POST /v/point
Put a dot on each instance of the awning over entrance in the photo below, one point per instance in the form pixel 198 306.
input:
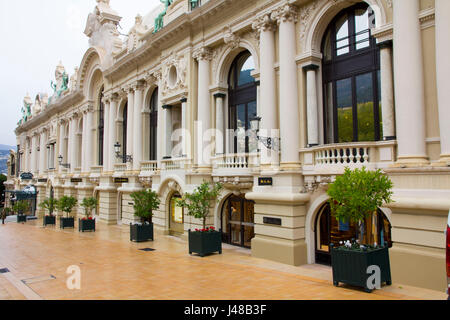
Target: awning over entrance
pixel 28 193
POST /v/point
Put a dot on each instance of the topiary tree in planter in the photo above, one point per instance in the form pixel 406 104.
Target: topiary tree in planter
pixel 145 202
pixel 66 205
pixel 198 205
pixel 49 204
pixel 19 208
pixel 354 197
pixel 87 223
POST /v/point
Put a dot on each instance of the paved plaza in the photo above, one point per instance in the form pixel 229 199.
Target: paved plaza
pixel 112 267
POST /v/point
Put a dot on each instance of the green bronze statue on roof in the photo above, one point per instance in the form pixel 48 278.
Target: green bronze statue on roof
pixel 159 21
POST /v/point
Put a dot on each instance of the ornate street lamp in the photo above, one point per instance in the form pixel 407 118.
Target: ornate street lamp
pixel 269 142
pixel 125 158
pixel 64 165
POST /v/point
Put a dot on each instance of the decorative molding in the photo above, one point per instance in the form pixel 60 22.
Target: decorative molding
pixel 285 13
pixel 203 53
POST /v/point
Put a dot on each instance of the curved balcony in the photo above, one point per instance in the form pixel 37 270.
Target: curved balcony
pixel 332 159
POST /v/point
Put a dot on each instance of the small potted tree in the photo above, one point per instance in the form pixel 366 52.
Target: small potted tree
pixel 66 204
pixel 354 197
pixel 20 207
pixel 145 201
pixel 198 204
pixel 87 223
pixel 49 204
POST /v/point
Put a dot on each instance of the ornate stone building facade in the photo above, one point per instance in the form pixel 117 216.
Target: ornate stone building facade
pixel 335 83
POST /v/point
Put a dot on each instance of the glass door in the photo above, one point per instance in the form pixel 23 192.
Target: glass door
pixel 176 226
pixel 238 221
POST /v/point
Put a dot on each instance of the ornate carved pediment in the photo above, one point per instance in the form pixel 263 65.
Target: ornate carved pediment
pixel 174 73
pixel 235 183
pixel 314 183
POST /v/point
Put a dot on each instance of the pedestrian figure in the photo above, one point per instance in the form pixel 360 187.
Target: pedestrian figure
pixel 3 214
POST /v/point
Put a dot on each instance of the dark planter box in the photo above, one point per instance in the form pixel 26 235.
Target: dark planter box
pixel 350 267
pixel 49 220
pixel 141 233
pixel 205 243
pixel 86 225
pixel 66 223
pixel 21 218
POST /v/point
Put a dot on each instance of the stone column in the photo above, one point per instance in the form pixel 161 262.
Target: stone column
pixel 184 124
pixel 137 125
pixel 409 83
pixel 387 90
pixel 312 111
pixel 83 144
pixel 442 11
pixel 89 138
pixel 34 146
pixel 61 144
pixel 268 85
pixel 220 123
pixel 112 133
pixel 203 56
pixel 168 131
pixel 42 151
pixel 289 113
pixel 106 149
pixel 130 121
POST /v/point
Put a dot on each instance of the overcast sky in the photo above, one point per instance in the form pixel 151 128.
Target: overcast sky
pixel 34 36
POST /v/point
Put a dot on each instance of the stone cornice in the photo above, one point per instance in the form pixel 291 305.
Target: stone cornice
pixel 54 108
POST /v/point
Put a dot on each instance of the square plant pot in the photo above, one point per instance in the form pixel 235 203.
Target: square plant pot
pixel 67 222
pixel 351 267
pixel 49 220
pixel 141 233
pixel 86 225
pixel 21 218
pixel 205 243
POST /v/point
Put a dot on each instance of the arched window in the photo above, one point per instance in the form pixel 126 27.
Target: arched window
pixel 153 125
pixel 101 127
pixel 242 102
pixel 351 78
pixel 124 132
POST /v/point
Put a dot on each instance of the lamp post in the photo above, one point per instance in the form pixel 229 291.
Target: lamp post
pixel 125 158
pixel 269 142
pixel 64 165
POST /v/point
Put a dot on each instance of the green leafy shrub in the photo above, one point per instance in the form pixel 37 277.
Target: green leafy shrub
pixel 66 204
pixel 88 205
pixel 20 207
pixel 357 194
pixel 145 201
pixel 48 204
pixel 199 202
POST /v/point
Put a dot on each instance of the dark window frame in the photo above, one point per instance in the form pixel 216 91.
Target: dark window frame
pixel 350 65
pixel 153 119
pixel 101 128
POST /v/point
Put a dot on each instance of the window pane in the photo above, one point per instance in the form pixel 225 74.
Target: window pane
pixel 327 47
pixel 342 35
pixel 362 28
pixel 252 141
pixel 344 110
pixel 240 128
pixel 364 97
pixel 244 75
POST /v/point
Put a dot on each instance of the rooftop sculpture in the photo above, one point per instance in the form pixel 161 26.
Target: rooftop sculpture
pixel 159 21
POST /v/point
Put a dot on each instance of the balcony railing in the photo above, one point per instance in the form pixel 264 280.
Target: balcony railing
pixel 96 169
pixel 174 164
pixel 149 166
pixel 242 163
pixel 120 167
pixel 335 157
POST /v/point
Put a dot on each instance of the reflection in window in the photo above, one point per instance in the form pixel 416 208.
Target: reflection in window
pixel 364 100
pixel 342 43
pixel 344 110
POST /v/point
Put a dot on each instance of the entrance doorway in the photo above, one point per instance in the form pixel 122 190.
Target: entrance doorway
pixel 329 230
pixel 238 221
pixel 176 219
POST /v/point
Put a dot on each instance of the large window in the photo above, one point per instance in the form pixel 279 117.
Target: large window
pixel 242 97
pixel 153 125
pixel 352 107
pixel 124 132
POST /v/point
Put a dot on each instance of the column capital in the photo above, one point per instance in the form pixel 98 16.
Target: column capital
pixel 264 23
pixel 311 67
pixel 203 53
pixel 220 95
pixel 285 13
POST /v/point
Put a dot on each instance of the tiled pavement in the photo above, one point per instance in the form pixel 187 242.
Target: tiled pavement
pixel 112 267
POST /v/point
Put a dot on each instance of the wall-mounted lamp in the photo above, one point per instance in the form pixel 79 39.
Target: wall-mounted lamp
pixel 64 165
pixel 269 142
pixel 125 158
